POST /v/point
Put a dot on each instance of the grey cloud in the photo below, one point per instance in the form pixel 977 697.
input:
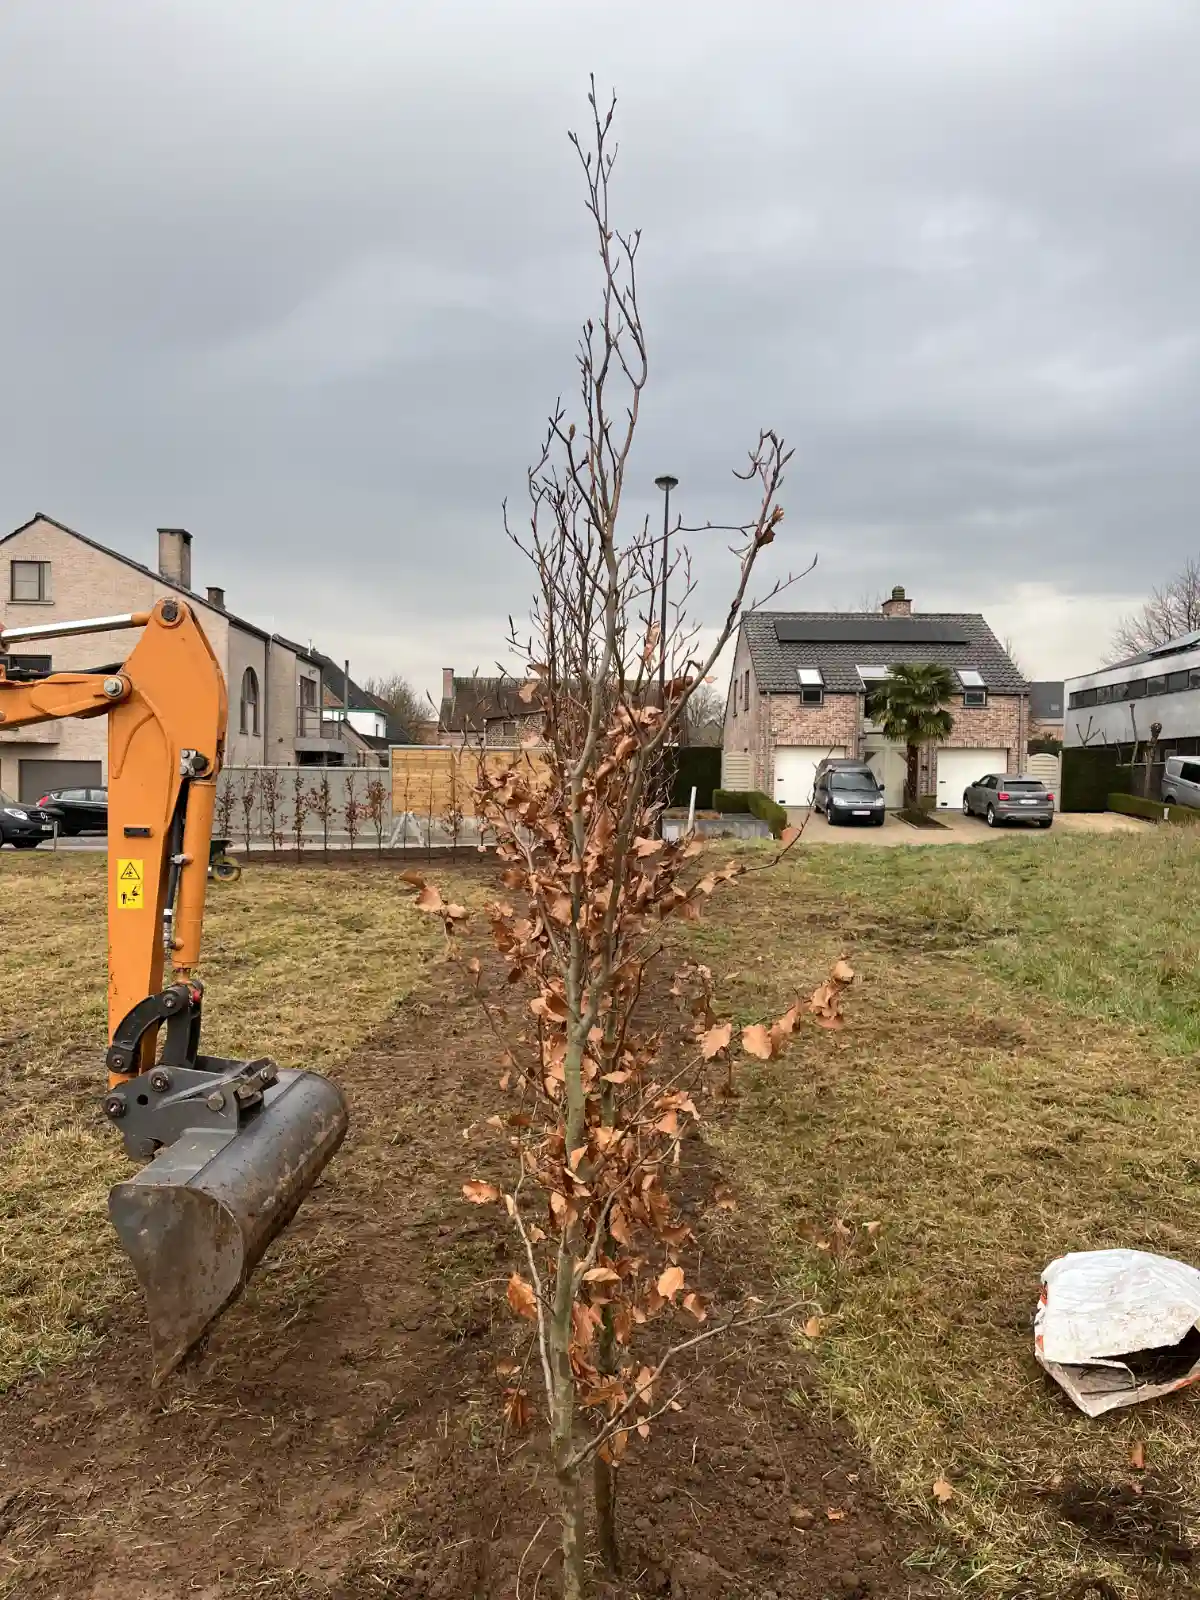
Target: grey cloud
pixel 305 278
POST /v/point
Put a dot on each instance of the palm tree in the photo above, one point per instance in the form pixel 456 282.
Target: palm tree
pixel 910 706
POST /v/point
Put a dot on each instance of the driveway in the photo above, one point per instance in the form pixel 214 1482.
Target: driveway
pixel 957 829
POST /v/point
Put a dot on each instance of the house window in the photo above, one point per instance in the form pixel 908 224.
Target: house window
pixel 871 675
pixel 308 693
pixel 29 580
pixel 974 699
pixel 1157 685
pixel 746 689
pixel 735 690
pixel 812 686
pixel 249 723
pixel 1176 681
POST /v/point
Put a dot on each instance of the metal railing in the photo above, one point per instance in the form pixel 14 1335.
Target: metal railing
pixel 311 723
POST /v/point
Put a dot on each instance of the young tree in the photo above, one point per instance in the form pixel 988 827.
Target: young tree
pixel 271 789
pixel 606 1094
pixel 1172 610
pixel 301 806
pixel 226 800
pixel 320 803
pixel 247 799
pixel 377 809
pixel 910 707
pixel 352 807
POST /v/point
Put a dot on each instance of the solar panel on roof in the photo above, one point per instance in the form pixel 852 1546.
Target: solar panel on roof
pixel 867 630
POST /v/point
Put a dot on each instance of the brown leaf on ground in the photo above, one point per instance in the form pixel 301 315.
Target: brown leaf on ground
pixel 429 899
pixel 601 1275
pixel 724 1200
pixel 1137 1457
pixel 521 1298
pixel 757 1041
pixel 842 971
pixel 693 1303
pixel 789 836
pixel 507 1367
pixel 516 1409
pixel 834 1515
pixel 670 1282
pixel 480 1193
pixel 716 1040
pixel 812 1328
pixel 943 1492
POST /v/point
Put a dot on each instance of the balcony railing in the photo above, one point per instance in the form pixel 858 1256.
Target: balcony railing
pixel 312 724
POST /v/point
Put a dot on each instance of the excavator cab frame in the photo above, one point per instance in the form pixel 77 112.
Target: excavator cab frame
pixel 232 1146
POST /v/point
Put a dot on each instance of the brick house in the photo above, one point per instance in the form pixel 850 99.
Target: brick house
pixel 487 713
pixel 51 573
pixel 800 683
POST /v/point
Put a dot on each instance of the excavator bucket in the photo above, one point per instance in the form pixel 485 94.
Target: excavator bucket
pixel 197 1219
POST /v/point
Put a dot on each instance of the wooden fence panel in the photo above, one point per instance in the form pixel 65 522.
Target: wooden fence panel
pixel 434 780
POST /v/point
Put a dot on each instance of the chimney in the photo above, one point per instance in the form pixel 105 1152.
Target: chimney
pixel 447 683
pixel 899 605
pixel 216 598
pixel 175 556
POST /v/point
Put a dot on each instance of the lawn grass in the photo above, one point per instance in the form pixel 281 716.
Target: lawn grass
pixel 299 963
pixel 1019 1078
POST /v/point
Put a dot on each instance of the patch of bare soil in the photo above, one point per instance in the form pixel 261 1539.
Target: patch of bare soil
pixel 339 1438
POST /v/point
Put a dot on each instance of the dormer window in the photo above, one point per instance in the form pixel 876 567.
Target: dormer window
pixel 812 686
pixel 973 688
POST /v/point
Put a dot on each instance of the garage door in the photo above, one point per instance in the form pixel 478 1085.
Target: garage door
pixel 796 770
pixel 958 768
pixel 35 777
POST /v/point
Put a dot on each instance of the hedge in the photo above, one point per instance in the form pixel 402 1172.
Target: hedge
pixel 1090 775
pixel 1132 805
pixel 733 801
pixel 698 765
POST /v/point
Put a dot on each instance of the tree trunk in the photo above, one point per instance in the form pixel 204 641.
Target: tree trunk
pixel 912 776
pixel 604 1476
pixel 562 1427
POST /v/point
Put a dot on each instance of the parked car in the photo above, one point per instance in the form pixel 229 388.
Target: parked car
pixel 1181 782
pixel 848 792
pixel 24 827
pixel 1005 797
pixel 78 810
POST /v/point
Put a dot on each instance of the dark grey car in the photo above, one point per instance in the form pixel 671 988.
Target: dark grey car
pixel 1004 797
pixel 849 794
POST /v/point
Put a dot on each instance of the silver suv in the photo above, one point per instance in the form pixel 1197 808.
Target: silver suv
pixel 1005 797
pixel 1181 781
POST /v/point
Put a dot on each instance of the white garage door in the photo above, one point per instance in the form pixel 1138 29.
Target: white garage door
pixel 796 770
pixel 958 768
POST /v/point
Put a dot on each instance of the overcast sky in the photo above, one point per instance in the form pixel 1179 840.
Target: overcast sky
pixel 303 276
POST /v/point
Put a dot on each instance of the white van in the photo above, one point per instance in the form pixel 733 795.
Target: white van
pixel 1181 781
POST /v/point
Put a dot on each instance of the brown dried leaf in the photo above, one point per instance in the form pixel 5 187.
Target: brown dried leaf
pixel 521 1298
pixel 516 1409
pixel 873 1228
pixel 527 691
pixel 429 899
pixel 646 847
pixel 456 913
pixel 618 1226
pixel 789 836
pixel 601 1275
pixel 693 1303
pixel 943 1492
pixel 507 1367
pixel 1137 1457
pixel 833 1515
pixel 812 1328
pixel 725 1201
pixel 413 878
pixel 716 1040
pixel 757 1041
pixel 670 1282
pixel 842 971
pixel 480 1193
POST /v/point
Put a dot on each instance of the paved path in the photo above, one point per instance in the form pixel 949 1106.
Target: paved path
pixel 958 829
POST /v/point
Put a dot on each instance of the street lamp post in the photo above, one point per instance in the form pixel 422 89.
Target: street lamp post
pixel 666 483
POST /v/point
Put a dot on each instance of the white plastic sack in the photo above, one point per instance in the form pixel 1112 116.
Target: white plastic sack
pixel 1097 1306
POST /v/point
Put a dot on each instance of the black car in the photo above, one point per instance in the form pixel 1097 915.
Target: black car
pixel 24 827
pixel 78 810
pixel 849 794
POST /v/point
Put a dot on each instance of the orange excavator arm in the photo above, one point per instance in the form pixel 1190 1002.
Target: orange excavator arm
pixel 233 1146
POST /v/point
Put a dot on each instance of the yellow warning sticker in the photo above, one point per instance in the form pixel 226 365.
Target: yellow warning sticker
pixel 130 885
